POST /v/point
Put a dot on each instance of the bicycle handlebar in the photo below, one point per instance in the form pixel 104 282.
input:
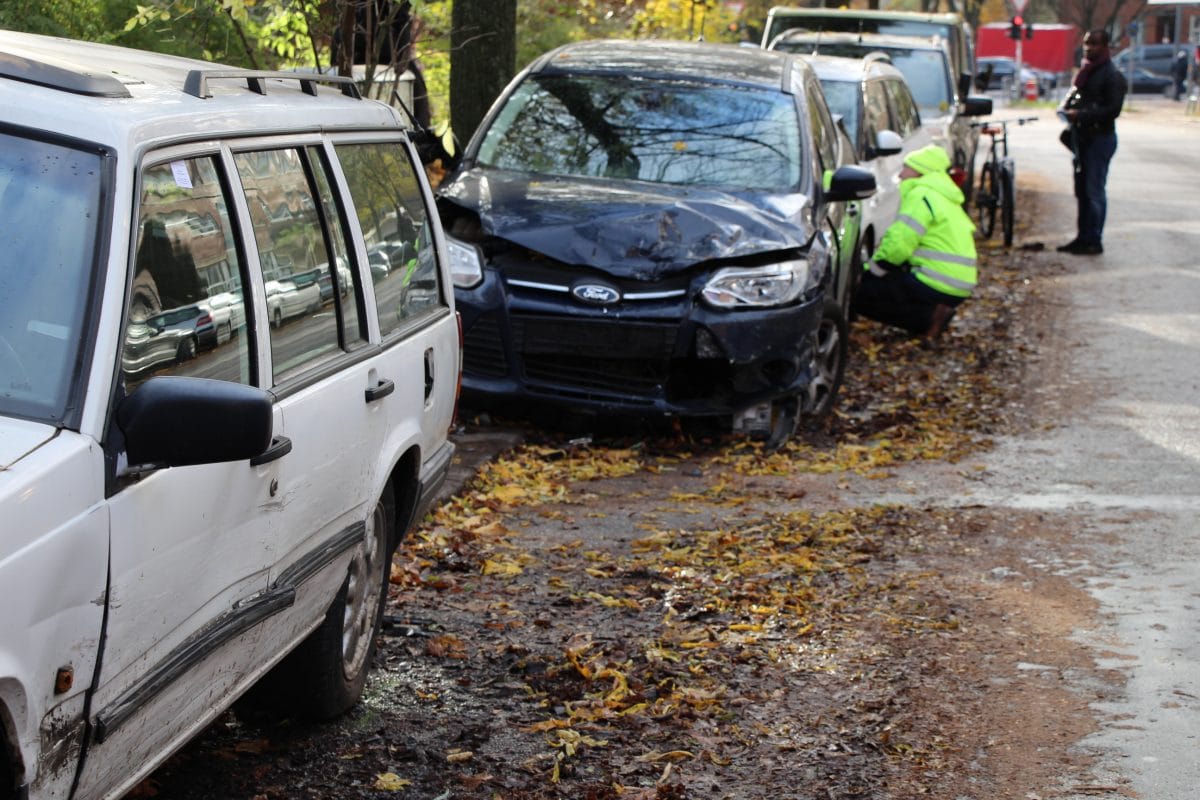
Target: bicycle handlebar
pixel 1004 123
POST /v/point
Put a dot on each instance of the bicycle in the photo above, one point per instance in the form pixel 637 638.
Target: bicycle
pixel 997 180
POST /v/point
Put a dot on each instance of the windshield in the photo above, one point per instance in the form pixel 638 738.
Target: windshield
pixel 842 98
pixel 925 69
pixel 49 210
pixel 663 131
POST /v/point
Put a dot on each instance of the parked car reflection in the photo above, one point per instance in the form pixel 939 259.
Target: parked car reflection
pixel 290 294
pixel 172 336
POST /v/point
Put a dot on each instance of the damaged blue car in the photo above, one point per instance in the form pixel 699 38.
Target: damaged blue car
pixel 657 228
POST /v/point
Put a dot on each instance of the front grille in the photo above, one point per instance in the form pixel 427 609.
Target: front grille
pixel 626 358
pixel 483 349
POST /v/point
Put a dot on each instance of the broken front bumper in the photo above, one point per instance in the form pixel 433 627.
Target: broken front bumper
pixel 657 356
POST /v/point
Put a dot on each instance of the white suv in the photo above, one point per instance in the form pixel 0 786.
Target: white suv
pixel 881 118
pixel 194 489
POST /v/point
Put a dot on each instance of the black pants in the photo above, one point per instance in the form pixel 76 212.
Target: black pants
pixel 1094 154
pixel 899 299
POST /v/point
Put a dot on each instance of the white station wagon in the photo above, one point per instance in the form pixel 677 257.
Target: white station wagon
pixel 194 489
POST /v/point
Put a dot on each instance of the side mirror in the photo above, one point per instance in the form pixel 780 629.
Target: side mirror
pixel 984 78
pixel 850 183
pixel 887 143
pixel 173 421
pixel 964 84
pixel 977 106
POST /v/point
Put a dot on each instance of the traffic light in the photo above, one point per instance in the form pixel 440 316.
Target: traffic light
pixel 1014 27
pixel 1028 30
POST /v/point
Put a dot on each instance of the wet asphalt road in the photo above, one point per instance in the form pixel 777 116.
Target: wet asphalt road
pixel 1122 450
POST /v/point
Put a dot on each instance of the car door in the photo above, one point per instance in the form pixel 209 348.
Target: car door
pixel 354 378
pixel 838 224
pixel 324 372
pixel 191 547
pixel 417 327
pixel 881 208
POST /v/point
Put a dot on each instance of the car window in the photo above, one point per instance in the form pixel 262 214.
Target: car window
pixel 842 97
pixel 385 185
pixel 295 253
pixel 187 306
pixel 928 77
pixel 50 201
pixel 658 130
pixel 821 125
pixel 904 108
pixel 876 111
pixel 338 285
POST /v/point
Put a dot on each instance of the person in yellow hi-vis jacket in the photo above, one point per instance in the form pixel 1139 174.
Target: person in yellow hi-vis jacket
pixel 925 265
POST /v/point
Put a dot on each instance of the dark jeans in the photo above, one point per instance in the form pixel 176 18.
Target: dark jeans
pixel 899 299
pixel 1094 155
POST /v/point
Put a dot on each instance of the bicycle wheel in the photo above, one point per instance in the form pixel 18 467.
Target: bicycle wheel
pixel 985 200
pixel 1007 201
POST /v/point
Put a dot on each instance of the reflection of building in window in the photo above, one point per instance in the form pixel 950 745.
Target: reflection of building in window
pixel 164 273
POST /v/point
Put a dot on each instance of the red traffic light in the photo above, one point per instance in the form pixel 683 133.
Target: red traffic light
pixel 1018 21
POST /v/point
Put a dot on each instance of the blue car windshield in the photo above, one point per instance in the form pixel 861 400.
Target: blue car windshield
pixel 663 131
pixel 50 198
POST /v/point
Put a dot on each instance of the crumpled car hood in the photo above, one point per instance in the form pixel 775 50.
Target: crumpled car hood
pixel 626 228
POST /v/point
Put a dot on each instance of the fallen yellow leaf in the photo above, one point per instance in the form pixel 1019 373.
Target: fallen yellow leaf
pixel 390 782
pixel 507 569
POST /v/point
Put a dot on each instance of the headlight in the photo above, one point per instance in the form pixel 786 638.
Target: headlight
pixel 466 263
pixel 760 287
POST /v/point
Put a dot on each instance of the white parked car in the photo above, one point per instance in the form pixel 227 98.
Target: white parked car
pixel 176 523
pixel 926 63
pixel 883 122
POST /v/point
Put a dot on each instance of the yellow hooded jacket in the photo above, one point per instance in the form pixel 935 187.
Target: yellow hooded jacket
pixel 932 233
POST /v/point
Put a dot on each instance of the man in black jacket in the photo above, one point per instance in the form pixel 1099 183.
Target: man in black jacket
pixel 1091 109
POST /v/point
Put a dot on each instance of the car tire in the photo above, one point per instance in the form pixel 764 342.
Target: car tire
pixel 227 330
pixel 830 351
pixel 324 676
pixel 277 319
pixel 187 350
pixel 857 267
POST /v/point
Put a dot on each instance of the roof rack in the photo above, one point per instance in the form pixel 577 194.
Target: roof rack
pixel 42 74
pixel 197 80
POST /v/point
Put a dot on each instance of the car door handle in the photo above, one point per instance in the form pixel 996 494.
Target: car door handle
pixel 280 447
pixel 428 373
pixel 380 390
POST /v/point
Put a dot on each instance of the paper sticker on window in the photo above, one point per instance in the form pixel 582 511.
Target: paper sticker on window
pixel 182 179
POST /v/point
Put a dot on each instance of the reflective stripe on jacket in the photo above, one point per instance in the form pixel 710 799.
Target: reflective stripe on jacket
pixel 933 235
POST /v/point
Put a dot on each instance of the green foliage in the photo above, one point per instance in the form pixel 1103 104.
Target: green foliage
pixel 433 51
pixel 685 19
pixel 77 19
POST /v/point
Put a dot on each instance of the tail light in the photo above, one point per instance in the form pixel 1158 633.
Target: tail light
pixel 958 175
pixel 205 319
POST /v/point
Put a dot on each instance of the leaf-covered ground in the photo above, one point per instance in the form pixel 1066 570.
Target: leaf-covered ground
pixel 682 615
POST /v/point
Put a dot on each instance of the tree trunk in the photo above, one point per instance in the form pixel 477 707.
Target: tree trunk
pixel 483 58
